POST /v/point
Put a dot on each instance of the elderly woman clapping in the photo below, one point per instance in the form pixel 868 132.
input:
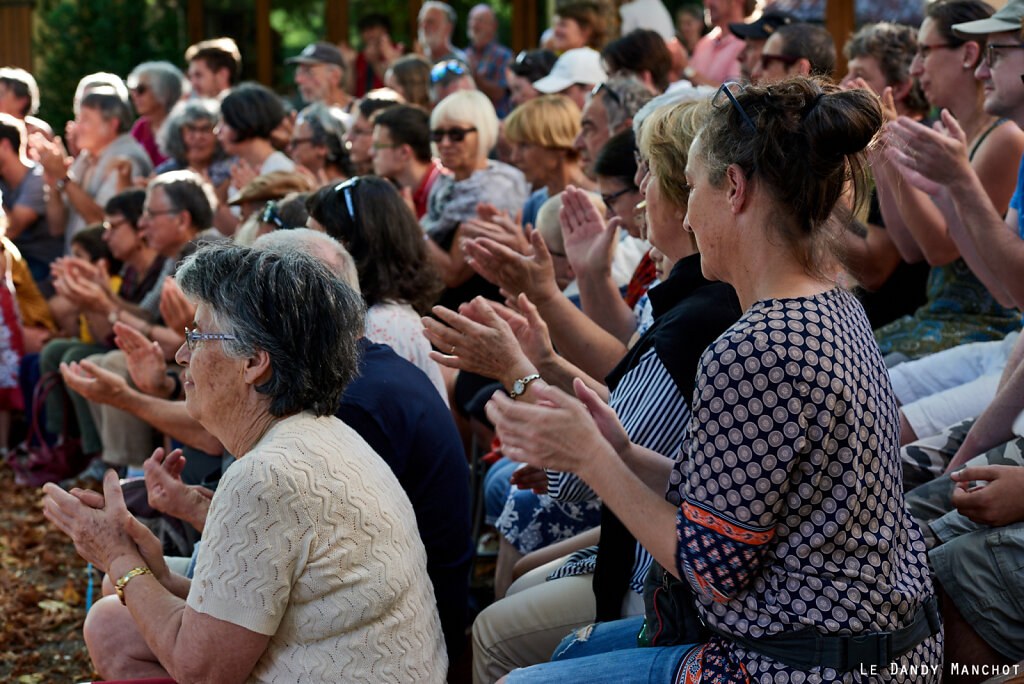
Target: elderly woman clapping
pixel 311 566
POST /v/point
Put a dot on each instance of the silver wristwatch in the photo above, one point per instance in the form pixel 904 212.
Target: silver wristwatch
pixel 519 386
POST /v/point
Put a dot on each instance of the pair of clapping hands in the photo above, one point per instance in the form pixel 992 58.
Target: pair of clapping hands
pixel 519 262
pixel 85 284
pixel 103 529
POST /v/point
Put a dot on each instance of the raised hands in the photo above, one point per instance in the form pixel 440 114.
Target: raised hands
pixel 168 494
pixel 175 308
pixel 928 158
pixel 589 242
pixel 51 154
pixel 94 383
pixel 513 272
pixel 477 339
pixel 145 360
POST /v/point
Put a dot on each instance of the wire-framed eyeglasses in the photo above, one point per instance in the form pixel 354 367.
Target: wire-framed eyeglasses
pixel 718 101
pixel 192 336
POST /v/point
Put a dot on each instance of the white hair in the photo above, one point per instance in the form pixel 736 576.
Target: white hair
pixel 670 97
pixel 320 246
pixel 473 107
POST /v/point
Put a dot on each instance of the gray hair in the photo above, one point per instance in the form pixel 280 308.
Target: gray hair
pixel 291 307
pixel 188 191
pixel 101 80
pixel 474 107
pixel 163 78
pixel 171 138
pixel 623 96
pixel 320 246
pixel 109 104
pixel 327 126
pixel 449 13
pixel 673 96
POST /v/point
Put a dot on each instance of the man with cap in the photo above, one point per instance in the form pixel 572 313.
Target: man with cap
pixel 973 531
pixel 754 35
pixel 319 73
pixel 574 75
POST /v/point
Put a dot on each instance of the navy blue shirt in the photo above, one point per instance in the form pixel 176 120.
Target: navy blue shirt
pixel 397 410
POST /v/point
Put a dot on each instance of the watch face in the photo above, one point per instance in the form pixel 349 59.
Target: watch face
pixel 518 387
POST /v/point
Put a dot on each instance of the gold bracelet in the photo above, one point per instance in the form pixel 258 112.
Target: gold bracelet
pixel 120 584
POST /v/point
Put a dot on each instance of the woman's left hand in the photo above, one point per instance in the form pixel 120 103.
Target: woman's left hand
pixel 476 339
pixel 99 533
pixel 558 433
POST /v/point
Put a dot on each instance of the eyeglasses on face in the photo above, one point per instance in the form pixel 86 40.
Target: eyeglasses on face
pixel 346 188
pixel 295 142
pixel 385 145
pixel 609 198
pixel 140 89
pixel 191 337
pixel 924 50
pixel 197 129
pixel 111 225
pixel 992 51
pixel 149 213
pixel 454 134
pixel 726 92
pixel 452 66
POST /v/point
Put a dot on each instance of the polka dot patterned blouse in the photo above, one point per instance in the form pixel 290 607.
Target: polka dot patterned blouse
pixel 790 491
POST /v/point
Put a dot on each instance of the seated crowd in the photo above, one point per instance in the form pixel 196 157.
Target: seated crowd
pixel 721 349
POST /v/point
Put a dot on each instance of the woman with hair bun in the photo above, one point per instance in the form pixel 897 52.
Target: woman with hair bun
pixel 785 549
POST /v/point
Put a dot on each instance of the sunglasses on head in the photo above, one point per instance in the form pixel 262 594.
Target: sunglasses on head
pixel 452 66
pixel 346 189
pixel 270 215
pixel 454 134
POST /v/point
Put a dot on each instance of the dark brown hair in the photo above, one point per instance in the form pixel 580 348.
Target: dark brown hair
pixel 808 143
pixel 588 16
pixel 893 46
pixel 637 51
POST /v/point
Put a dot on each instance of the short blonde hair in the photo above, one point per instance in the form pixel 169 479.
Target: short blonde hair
pixel 475 108
pixel 551 121
pixel 664 141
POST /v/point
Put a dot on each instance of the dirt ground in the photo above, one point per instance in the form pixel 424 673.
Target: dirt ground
pixel 43 587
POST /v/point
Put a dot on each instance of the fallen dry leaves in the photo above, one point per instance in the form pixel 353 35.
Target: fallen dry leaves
pixel 42 593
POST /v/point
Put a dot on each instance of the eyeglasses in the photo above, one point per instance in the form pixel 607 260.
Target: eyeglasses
pixel 924 50
pixel 385 146
pixel 140 89
pixel 346 189
pixel 641 163
pixel 612 196
pixel 766 60
pixel 991 54
pixel 454 134
pixel 615 95
pixel 726 89
pixel 191 337
pixel 202 130
pixel 452 67
pixel 270 215
pixel 111 225
pixel 295 142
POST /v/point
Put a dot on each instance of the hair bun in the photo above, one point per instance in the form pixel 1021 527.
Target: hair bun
pixel 842 123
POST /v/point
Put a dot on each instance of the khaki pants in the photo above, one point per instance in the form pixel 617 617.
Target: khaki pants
pixel 127 440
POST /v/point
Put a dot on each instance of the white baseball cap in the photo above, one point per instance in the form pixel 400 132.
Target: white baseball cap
pixel 581 65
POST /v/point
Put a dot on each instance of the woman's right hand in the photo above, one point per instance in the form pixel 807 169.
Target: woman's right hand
pixel 145 360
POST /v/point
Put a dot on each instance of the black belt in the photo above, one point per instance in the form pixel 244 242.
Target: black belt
pixel 806 648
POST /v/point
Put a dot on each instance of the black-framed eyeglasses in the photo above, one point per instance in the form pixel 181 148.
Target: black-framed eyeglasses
pixel 454 134
pixel 641 163
pixel 386 146
pixel 992 54
pixel 140 89
pixel 726 89
pixel 270 214
pixel 111 225
pixel 191 337
pixel 346 188
pixel 609 90
pixel 924 50
pixel 609 198
pixel 767 59
pixel 452 66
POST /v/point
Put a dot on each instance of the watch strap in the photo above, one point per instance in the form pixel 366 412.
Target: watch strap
pixel 520 385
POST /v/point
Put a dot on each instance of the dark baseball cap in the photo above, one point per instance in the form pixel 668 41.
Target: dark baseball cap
pixel 764 27
pixel 318 53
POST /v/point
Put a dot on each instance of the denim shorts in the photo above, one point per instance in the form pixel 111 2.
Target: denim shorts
pixel 606 652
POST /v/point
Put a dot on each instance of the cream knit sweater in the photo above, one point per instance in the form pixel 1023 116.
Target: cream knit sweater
pixel 311 539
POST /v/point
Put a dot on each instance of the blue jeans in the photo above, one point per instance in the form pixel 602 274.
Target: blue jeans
pixel 496 487
pixel 605 652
